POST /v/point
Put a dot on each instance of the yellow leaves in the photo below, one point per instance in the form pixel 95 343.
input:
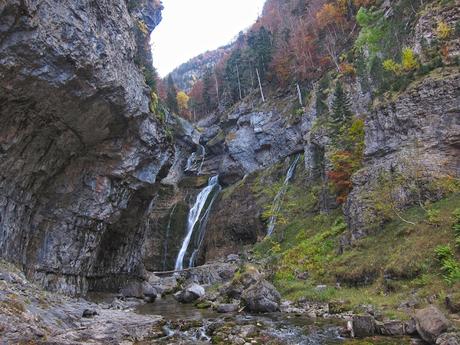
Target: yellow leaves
pixel 182 101
pixel 142 27
pixel 443 30
pixel 392 66
pixel 409 61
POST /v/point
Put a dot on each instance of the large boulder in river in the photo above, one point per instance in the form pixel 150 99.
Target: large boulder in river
pixel 190 294
pixel 261 297
pixel 431 323
pixel 138 289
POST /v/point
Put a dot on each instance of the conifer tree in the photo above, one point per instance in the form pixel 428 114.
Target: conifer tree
pixel 171 94
pixel 341 113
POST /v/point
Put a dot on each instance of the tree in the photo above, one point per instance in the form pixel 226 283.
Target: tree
pixel 171 93
pixel 341 113
pixel 182 102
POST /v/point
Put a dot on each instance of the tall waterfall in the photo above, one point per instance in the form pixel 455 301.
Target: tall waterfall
pixel 197 219
pixel 276 206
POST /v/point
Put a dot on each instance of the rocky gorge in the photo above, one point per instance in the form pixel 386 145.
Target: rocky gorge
pixel 101 196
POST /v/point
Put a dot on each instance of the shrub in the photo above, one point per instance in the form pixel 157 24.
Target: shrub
pixel 409 60
pixel 449 265
pixel 443 31
pixel 392 66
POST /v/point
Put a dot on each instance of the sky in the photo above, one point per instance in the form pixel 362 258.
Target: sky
pixel 191 27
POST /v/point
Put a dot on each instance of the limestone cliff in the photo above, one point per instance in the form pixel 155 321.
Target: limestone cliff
pixel 80 151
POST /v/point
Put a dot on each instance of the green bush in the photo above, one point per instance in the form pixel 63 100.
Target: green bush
pixel 449 264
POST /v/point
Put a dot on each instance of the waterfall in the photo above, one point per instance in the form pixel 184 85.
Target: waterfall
pixel 168 231
pixel 276 206
pixel 202 228
pixel 194 218
pixel 196 160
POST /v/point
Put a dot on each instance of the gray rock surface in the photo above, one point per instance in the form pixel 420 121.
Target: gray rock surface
pixel 79 149
pixel 31 315
pixel 261 297
pixel 418 132
pixel 431 323
pixel 190 294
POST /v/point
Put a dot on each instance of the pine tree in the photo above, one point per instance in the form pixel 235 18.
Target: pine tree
pixel 341 113
pixel 171 99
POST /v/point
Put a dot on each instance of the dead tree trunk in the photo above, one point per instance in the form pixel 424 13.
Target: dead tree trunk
pixel 260 86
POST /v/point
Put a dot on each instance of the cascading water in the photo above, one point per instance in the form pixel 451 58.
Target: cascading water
pixel 202 227
pixel 204 201
pixel 196 160
pixel 168 231
pixel 276 206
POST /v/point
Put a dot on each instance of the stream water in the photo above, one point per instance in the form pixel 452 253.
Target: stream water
pixel 276 328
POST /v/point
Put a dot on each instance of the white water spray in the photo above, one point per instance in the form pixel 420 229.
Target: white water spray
pixel 194 217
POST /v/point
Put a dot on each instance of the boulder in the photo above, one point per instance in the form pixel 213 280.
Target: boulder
pixel 190 294
pixel 261 297
pixel 448 339
pixel 250 276
pixel 163 285
pixel 431 323
pixel 362 326
pixel 227 308
pixel 133 289
pixel 391 328
pixel 149 292
pixel 410 327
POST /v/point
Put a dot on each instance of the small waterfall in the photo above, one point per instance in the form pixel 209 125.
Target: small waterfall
pixel 168 231
pixel 194 218
pixel 276 206
pixel 196 160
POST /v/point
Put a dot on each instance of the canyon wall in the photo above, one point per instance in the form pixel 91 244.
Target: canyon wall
pixel 80 151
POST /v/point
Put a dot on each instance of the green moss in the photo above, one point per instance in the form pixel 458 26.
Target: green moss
pixel 382 269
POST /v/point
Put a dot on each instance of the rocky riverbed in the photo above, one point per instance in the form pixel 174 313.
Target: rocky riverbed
pixel 218 312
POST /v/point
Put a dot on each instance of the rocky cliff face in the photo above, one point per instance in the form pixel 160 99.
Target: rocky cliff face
pixel 186 75
pixel 80 151
pixel 415 135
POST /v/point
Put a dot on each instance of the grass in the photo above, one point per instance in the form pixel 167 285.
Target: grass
pixel 385 269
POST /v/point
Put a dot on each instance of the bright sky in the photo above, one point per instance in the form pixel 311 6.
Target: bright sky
pixel 191 27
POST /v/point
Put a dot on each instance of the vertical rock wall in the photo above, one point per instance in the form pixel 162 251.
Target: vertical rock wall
pixel 79 150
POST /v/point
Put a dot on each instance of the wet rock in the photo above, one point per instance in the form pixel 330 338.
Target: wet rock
pixel 431 323
pixel 448 339
pixel 261 297
pixel 190 294
pixel 227 308
pixel 362 326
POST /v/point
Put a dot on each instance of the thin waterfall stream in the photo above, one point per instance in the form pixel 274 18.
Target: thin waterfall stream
pixel 197 219
pixel 196 160
pixel 276 206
